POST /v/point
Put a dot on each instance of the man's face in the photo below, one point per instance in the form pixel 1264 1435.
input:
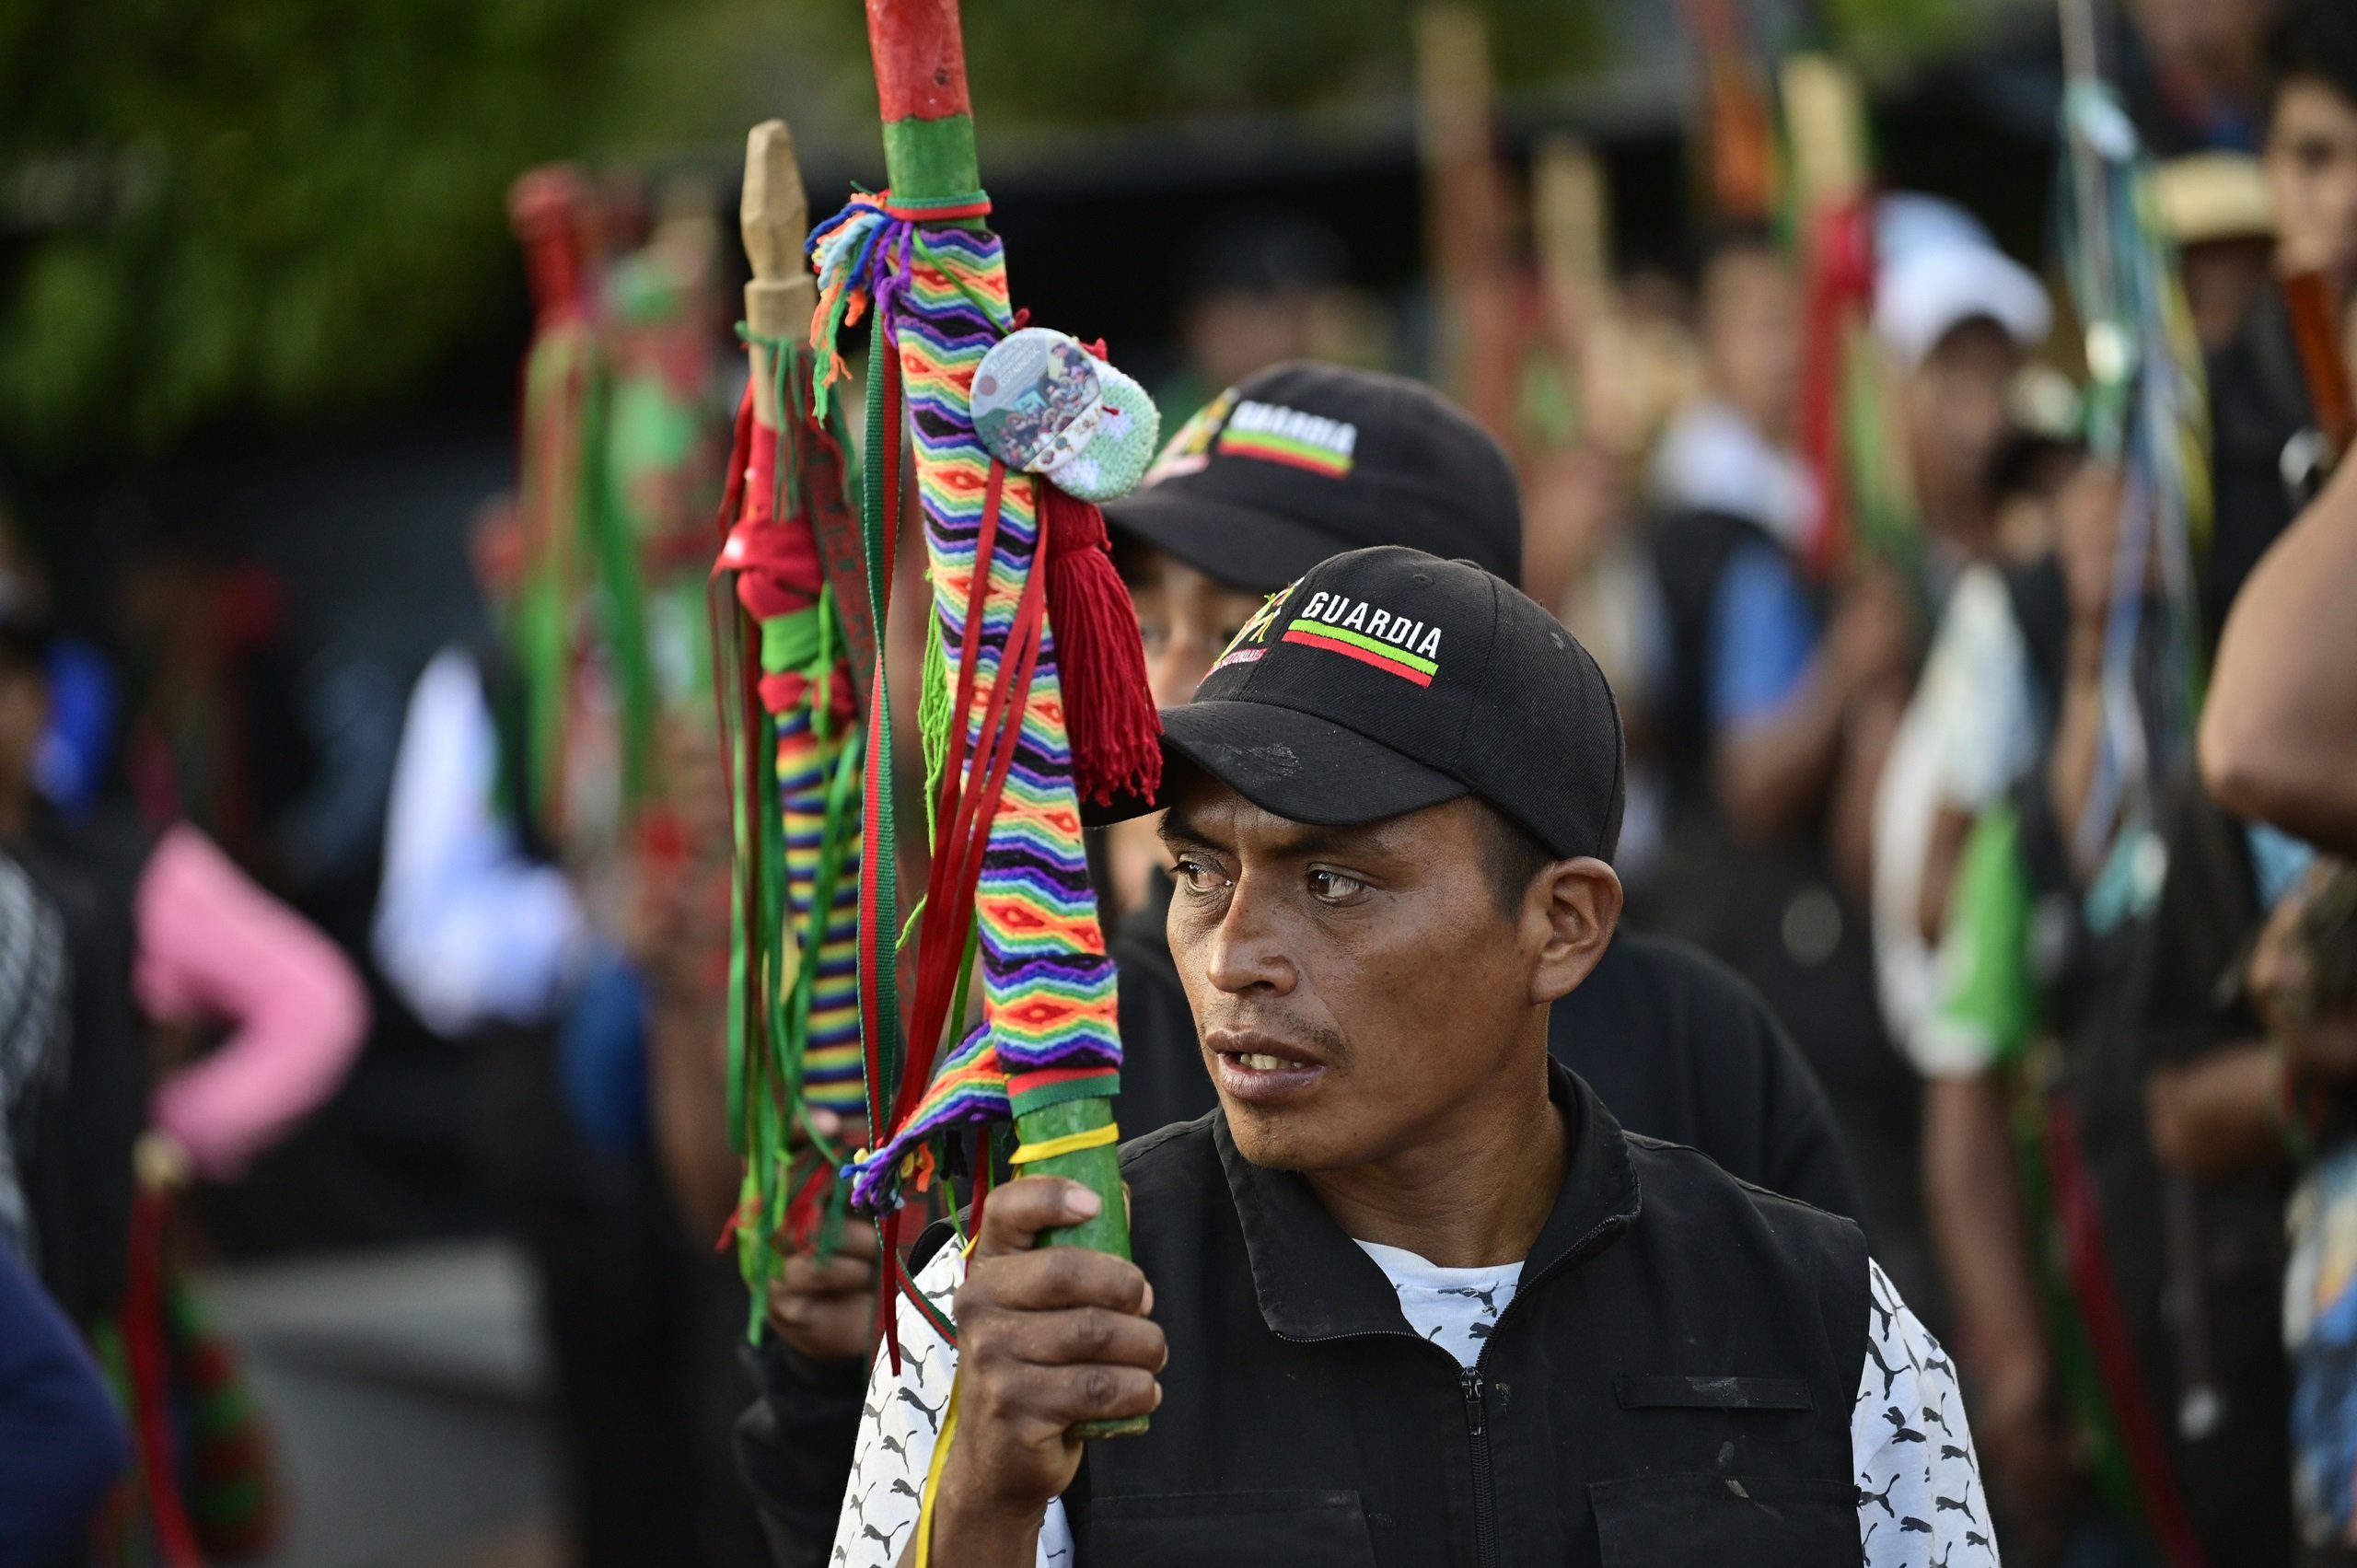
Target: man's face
pixel 1751 336
pixel 1186 619
pixel 1956 410
pixel 1352 987
pixel 1231 334
pixel 2311 164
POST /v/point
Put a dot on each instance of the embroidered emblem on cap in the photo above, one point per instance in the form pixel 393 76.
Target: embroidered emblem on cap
pixel 1190 449
pixel 1278 435
pixel 1396 645
pixel 1245 648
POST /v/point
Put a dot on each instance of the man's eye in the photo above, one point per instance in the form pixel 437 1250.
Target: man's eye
pixel 1195 875
pixel 1154 634
pixel 1334 886
pixel 1227 635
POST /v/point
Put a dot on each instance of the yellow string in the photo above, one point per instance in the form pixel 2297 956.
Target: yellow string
pixel 933 1476
pixel 1070 1143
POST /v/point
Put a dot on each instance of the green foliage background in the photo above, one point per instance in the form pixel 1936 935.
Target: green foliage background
pixel 286 205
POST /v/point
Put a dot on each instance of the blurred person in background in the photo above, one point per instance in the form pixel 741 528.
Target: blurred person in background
pixel 1255 288
pixel 1975 724
pixel 2195 73
pixel 211 954
pixel 62 1444
pixel 1784 693
pixel 1729 452
pixel 2122 1040
pixel 2262 456
pixel 2215 206
pixel 2020 642
pixel 486 933
pixel 2163 1054
pixel 34 1041
pixel 78 753
pixel 205 1011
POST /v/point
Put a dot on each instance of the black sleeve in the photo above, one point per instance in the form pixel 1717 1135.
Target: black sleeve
pixel 78 1180
pixel 794 1444
pixel 1807 1158
pixel 1802 1151
pixel 1682 1047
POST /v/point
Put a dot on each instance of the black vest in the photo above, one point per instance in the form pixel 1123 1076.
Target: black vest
pixel 1672 1383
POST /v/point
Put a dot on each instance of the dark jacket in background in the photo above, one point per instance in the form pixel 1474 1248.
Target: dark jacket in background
pixel 78 1176
pixel 61 1444
pixel 2203 1258
pixel 2259 403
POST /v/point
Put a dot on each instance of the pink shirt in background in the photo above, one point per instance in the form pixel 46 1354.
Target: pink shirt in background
pixel 214 947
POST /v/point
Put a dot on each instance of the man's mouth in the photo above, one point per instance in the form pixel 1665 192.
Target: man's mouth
pixel 1261 1069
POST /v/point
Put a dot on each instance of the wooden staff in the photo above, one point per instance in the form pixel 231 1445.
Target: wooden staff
pixel 1466 213
pixel 1733 125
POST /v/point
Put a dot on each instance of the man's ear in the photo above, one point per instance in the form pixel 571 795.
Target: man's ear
pixel 1579 901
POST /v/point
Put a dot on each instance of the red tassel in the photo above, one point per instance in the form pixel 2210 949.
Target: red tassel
pixel 1107 706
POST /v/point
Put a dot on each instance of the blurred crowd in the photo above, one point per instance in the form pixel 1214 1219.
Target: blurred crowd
pixel 2015 780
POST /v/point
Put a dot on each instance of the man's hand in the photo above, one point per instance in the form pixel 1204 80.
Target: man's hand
pixel 2028 1451
pixel 1046 1339
pixel 826 1308
pixel 2283 986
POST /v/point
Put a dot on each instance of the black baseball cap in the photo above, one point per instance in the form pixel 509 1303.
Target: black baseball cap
pixel 1303 460
pixel 1385 681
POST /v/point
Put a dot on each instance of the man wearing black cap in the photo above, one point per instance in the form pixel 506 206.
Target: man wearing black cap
pixel 1409 1296
pixel 1304 461
pixel 1292 465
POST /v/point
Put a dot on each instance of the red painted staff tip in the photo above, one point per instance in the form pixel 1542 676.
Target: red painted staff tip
pixel 548 208
pixel 920 59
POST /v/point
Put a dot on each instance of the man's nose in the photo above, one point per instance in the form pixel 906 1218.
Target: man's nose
pixel 1247 953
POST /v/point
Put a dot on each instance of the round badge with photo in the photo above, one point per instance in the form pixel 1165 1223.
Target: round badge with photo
pixel 1043 403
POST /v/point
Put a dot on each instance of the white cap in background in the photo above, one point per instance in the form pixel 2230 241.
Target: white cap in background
pixel 1938 270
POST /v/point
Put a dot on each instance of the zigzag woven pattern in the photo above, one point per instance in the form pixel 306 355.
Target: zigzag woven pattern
pixel 806 767
pixel 969 1087
pixel 940 293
